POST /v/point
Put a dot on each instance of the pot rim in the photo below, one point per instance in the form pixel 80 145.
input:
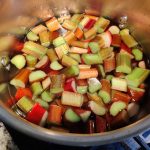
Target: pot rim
pixel 71 139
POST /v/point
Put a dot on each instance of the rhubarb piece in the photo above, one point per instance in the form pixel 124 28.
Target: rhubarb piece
pixel 109 64
pixel 119 84
pixel 78 50
pixel 38 29
pixel 78 33
pixel 116 107
pixel 59 41
pixel 84 67
pixel 90 126
pixel 120 120
pixel 101 124
pixel 107 39
pixel 88 73
pixel 45 38
pixel 71 71
pixel 109 77
pixel 37 115
pixel 84 114
pixel 94 97
pixel 76 18
pixel 83 22
pixel 76 57
pixel 54 115
pixel 120 96
pixel 21 92
pixel 96 108
pixel 34 49
pixel 46 83
pixel 138 55
pixel 124 32
pixel 101 71
pixel 47 96
pixel 80 44
pixel 133 109
pixel 57 83
pixel 102 23
pixel 129 40
pixel 72 99
pixel 71 116
pixel 19 61
pixel 44 104
pixel 91 59
pixel 137 76
pixel 116 40
pixel 55 65
pixel 82 82
pixel 90 33
pixel 94 85
pixel 90 24
pixel 68 61
pixel 53 24
pixel 42 63
pixel 136 93
pixel 36 88
pixel 37 75
pixel 31 61
pixel 69 37
pixel 21 79
pixel 70 85
pixel 125 48
pixel 82 89
pixel 25 104
pixel 94 47
pixel 32 36
pixel 123 63
pixel 104 93
pixel 114 30
pixel 62 50
pixel 52 55
pixel 142 65
pixel 106 52
pixel 69 25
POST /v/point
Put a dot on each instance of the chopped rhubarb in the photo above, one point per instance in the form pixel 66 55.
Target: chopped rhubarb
pixel 23 92
pixel 70 85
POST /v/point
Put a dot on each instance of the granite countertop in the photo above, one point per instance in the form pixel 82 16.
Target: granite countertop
pixel 6 142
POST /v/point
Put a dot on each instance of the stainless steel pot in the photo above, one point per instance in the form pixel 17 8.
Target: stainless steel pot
pixel 32 11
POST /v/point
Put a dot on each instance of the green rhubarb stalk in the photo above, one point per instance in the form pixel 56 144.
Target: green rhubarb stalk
pixel 71 71
pixel 68 61
pixel 94 46
pixel 55 65
pixel 76 18
pixel 36 88
pixel 59 41
pixel 123 63
pixel 56 90
pixel 105 96
pixel 106 52
pixel 45 38
pixel 32 36
pixel 71 116
pixel 31 60
pixel 47 96
pixel 52 55
pixel 82 89
pixel 25 104
pixel 101 71
pixel 94 85
pixel 138 55
pixel 137 76
pixel 42 103
pixel 124 32
pixel 129 40
pixel 91 59
pixel 109 77
pixel 34 49
pixel 76 57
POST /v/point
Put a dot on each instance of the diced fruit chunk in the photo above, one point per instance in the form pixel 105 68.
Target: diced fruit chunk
pixel 37 75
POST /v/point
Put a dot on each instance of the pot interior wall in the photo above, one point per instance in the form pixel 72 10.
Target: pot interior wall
pixel 30 12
